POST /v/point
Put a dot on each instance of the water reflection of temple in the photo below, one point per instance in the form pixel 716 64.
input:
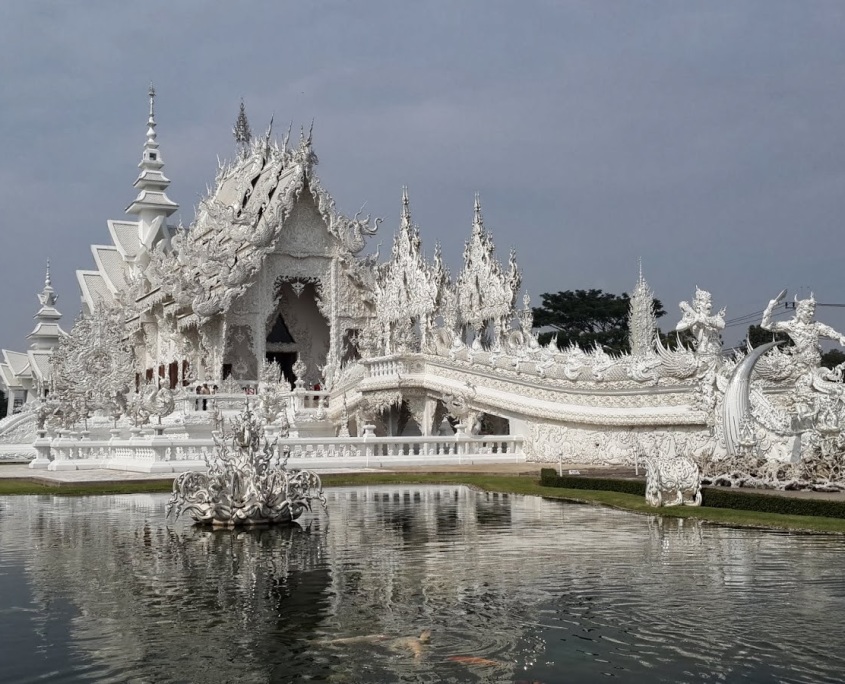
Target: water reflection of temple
pixel 475 567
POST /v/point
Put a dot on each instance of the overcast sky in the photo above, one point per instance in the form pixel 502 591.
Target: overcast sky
pixel 706 137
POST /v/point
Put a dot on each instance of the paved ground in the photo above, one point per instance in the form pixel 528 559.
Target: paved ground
pixel 23 472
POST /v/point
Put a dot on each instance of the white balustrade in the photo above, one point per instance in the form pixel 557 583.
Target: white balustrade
pixel 174 453
pixel 385 367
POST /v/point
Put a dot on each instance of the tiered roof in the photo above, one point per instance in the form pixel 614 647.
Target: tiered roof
pixel 24 370
pixel 199 271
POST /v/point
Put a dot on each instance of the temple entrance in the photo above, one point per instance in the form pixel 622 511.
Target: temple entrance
pixel 296 330
pixel 286 361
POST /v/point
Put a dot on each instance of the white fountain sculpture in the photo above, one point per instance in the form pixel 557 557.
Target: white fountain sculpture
pixel 246 483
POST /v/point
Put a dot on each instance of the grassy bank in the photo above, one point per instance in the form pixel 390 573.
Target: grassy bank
pixel 14 487
pixel 494 483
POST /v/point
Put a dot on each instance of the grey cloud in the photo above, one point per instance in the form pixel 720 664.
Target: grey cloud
pixel 702 136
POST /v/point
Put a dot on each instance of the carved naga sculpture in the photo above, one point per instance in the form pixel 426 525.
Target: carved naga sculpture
pixel 672 481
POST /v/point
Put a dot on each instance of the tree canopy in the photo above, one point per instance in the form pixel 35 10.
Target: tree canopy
pixel 758 335
pixel 587 318
pixel 832 358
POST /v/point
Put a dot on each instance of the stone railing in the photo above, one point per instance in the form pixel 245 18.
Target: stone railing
pixel 163 453
pixel 301 399
pixel 385 367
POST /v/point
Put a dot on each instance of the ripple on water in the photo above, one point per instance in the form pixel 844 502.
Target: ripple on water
pixel 511 588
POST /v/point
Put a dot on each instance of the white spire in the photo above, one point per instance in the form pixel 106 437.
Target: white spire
pixel 151 121
pixel 152 205
pixel 406 207
pixel 47 332
pixel 48 296
pixel 242 130
pixel 477 219
pixel 642 320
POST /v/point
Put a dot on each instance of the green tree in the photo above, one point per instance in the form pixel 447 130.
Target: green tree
pixel 833 358
pixel 675 338
pixel 758 335
pixel 3 403
pixel 587 318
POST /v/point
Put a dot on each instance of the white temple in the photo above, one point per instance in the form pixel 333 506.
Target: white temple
pixel 266 293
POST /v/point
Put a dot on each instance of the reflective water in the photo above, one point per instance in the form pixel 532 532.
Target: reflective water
pixel 513 589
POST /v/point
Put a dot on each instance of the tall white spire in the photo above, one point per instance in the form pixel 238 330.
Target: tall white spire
pixel 406 208
pixel 47 332
pixel 152 205
pixel 242 130
pixel 477 218
pixel 642 320
pixel 48 296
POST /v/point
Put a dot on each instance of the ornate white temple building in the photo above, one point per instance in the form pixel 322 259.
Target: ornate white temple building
pixel 267 293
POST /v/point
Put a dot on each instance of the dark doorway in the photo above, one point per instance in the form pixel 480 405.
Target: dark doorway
pixel 286 361
pixel 279 333
pixel 173 374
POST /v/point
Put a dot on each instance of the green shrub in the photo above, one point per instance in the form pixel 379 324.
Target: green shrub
pixel 717 497
pixel 550 478
pixel 713 497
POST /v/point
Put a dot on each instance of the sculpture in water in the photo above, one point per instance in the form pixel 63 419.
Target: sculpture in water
pixel 246 482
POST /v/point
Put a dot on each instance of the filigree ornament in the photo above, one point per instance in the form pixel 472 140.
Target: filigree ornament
pixel 92 368
pixel 486 293
pixel 246 483
pixel 672 481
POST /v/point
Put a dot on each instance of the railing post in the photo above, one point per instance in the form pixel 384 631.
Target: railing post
pixel 42 451
pixel 369 433
pixel 161 447
pixel 461 440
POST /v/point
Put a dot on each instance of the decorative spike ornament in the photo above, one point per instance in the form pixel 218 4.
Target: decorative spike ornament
pixel 242 131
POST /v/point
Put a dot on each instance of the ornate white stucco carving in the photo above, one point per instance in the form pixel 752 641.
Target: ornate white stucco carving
pixel 672 480
pixel 486 293
pixel 406 293
pixel 92 368
pixel 642 322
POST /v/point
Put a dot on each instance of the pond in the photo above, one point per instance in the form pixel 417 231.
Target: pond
pixel 411 584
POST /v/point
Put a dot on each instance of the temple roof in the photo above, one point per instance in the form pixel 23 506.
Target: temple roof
pixel 239 222
pixel 46 329
pixel 10 380
pixel 201 270
pixel 94 288
pixel 124 234
pixel 17 362
pixel 112 267
pixel 39 363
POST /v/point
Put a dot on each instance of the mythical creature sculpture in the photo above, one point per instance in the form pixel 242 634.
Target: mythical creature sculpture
pixel 672 481
pixel 705 327
pixel 356 230
pixel 803 330
pixel 152 400
pixel 246 483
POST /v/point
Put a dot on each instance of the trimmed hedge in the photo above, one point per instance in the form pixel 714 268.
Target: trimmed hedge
pixel 718 497
pixel 713 497
pixel 550 478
